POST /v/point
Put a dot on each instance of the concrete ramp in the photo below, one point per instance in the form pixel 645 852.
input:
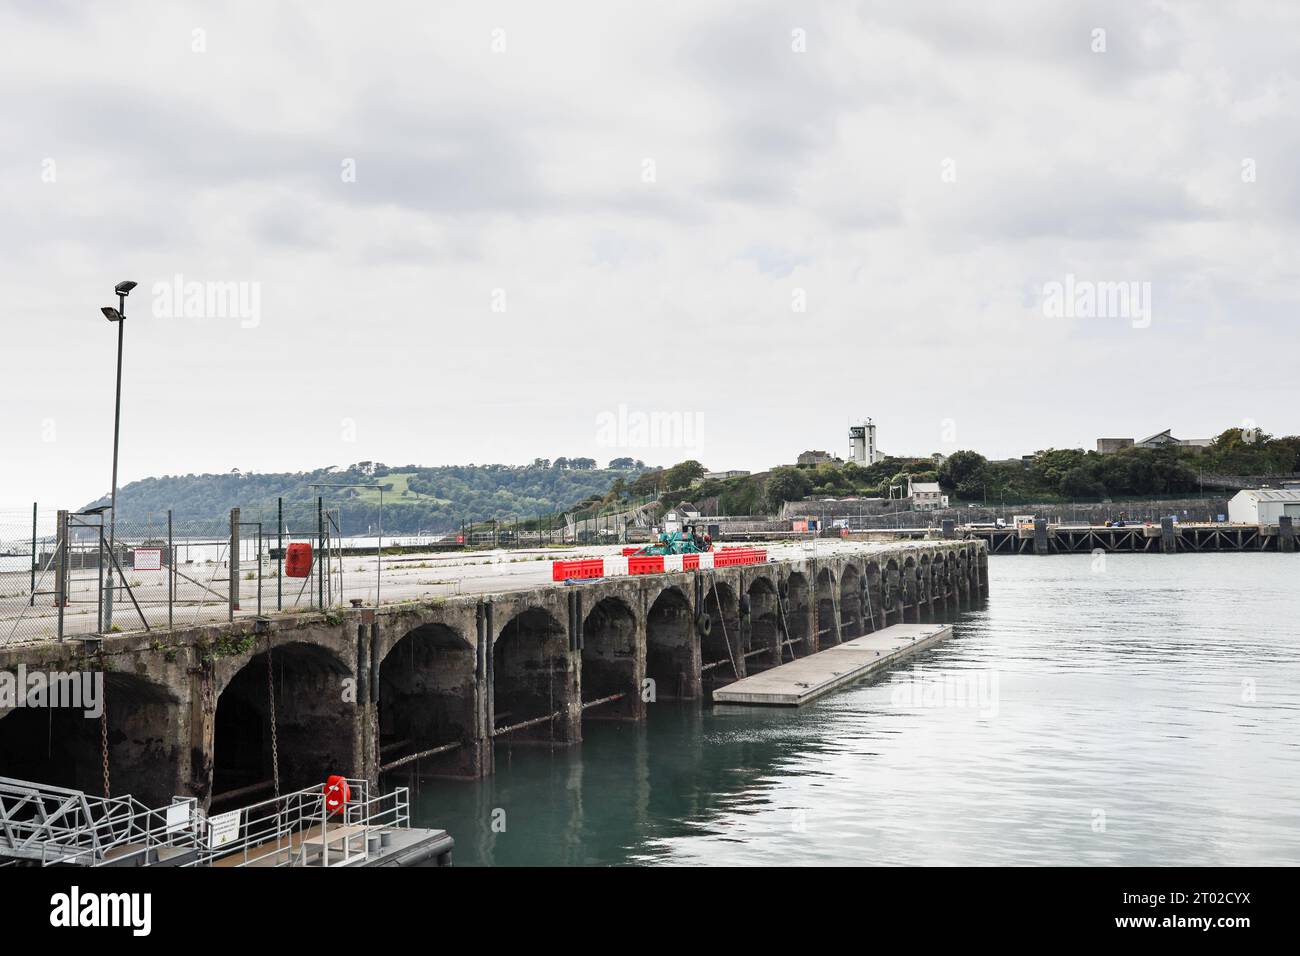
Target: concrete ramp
pixel 809 677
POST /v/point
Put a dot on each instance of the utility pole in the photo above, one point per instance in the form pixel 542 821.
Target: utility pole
pixel 118 315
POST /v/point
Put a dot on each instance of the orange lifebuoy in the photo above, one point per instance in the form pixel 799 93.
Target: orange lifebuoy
pixel 336 794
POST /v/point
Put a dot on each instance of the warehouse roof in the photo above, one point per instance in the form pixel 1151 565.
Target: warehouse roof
pixel 1272 494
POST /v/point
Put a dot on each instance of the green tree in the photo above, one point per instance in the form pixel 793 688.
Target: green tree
pixel 682 474
pixel 785 484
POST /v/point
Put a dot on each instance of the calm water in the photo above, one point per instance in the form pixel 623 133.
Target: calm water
pixel 1108 719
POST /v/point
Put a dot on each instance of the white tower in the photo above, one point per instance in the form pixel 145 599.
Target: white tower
pixel 862 443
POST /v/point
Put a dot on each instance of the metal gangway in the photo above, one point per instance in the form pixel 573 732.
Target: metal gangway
pixel 44 825
pixel 48 826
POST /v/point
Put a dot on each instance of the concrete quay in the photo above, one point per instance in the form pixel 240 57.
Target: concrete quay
pixel 442 685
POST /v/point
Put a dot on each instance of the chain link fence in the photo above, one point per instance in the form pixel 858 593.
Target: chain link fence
pixel 70 574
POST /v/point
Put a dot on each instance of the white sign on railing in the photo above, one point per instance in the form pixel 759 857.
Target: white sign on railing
pixel 223 829
pixel 178 817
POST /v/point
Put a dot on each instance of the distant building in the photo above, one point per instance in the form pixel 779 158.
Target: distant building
pixel 862 444
pixel 926 495
pixel 815 458
pixel 1162 439
pixel 724 475
pixel 1264 505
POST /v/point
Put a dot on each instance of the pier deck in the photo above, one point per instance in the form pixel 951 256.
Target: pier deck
pixel 809 677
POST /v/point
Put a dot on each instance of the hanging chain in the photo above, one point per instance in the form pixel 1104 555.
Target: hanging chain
pixel 275 741
pixel 103 746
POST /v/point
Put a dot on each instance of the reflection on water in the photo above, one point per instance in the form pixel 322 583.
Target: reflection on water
pixel 1147 713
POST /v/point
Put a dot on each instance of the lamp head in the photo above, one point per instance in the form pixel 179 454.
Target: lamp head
pixel 111 314
pixel 124 287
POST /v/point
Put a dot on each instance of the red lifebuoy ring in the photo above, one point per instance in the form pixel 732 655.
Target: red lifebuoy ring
pixel 336 794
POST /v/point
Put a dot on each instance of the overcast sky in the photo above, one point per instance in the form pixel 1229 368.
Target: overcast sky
pixel 471 232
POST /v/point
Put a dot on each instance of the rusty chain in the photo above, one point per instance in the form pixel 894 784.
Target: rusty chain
pixel 103 745
pixel 275 741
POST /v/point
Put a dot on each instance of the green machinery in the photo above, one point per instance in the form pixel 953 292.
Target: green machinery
pixel 686 541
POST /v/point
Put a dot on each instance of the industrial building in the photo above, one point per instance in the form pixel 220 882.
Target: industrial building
pixel 1162 439
pixel 862 444
pixel 1264 505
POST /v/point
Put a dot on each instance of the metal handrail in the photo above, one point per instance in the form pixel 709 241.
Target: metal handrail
pixel 53 825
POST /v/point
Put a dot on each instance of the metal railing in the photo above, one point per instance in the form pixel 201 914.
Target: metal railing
pixel 297 829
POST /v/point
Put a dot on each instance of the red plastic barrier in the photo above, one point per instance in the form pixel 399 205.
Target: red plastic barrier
pixel 645 564
pixel 733 557
pixel 628 552
pixel 690 562
pixel 583 568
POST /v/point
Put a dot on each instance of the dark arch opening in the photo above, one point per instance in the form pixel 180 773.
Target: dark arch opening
pixel 62 746
pixel 851 602
pixel 763 647
pixel 530 676
pixel 427 700
pixel 315 724
pixel 671 647
pixel 875 597
pixel 722 608
pixel 893 589
pixel 950 578
pixel 794 621
pixel 609 661
pixel 911 590
pixel 827 610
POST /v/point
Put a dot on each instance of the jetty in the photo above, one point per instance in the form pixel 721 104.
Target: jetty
pixel 808 678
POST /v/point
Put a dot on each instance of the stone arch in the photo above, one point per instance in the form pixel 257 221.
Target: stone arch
pixel 428 698
pixel 315 722
pixel 531 678
pixel 963 574
pixel 720 657
pixel 950 577
pixel 875 596
pixel 609 646
pixel 763 643
pixel 851 602
pixel 893 592
pixel 923 580
pixel 911 589
pixel 62 745
pixel 672 647
pixel 795 599
pixel 828 631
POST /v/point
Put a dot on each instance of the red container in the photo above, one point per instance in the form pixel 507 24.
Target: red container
pixel 297 560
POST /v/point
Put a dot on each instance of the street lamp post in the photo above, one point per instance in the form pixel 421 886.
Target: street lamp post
pixel 118 315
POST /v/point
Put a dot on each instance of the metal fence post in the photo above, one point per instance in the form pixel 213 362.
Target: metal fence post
pixel 32 601
pixel 171 571
pixel 320 554
pixel 279 548
pixel 61 567
pixel 233 604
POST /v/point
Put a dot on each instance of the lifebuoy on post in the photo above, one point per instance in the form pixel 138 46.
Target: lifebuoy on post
pixel 337 794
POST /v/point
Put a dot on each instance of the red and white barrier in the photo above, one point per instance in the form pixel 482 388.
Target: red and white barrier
pixel 654 563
